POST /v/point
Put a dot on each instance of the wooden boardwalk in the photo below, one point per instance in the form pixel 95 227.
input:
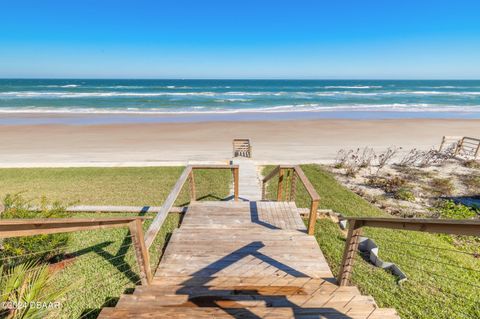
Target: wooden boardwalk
pixel 250 184
pixel 244 260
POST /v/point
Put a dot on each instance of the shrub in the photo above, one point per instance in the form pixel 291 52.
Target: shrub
pixel 389 184
pixel 410 158
pixel 472 164
pixel 448 209
pixel 385 157
pixel 48 245
pixel 341 158
pixel 404 194
pixel 352 164
pixel 472 183
pixel 28 283
pixel 367 156
pixel 442 186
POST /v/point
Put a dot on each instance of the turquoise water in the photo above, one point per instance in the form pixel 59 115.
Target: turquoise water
pixel 461 98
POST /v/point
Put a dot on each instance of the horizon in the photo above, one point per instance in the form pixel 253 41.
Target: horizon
pixel 249 40
pixel 241 79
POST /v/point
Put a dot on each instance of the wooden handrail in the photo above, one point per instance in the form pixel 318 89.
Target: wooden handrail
pixel 297 172
pixel 29 227
pixel 445 226
pixel 306 182
pixel 271 174
pixel 168 204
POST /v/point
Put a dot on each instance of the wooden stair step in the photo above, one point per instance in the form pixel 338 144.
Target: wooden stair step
pixel 214 312
pixel 251 312
pixel 188 281
pixel 158 301
pixel 313 292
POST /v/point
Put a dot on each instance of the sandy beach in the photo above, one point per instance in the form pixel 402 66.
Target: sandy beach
pixel 303 141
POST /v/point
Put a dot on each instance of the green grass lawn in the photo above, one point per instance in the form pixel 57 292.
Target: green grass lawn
pixel 102 264
pixel 442 281
pixel 110 186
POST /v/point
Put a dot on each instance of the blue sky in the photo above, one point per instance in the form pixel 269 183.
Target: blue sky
pixel 240 39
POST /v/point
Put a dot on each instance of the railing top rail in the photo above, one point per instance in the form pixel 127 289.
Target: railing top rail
pixel 303 178
pixel 30 227
pixel 271 174
pixel 54 221
pixel 417 220
pixel 306 182
pixel 213 166
pixel 471 138
pixel 167 205
pixel 444 226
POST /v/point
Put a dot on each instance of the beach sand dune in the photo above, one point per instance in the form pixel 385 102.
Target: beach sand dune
pixel 176 143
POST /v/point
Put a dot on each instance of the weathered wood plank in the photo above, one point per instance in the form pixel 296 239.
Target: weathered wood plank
pixel 168 204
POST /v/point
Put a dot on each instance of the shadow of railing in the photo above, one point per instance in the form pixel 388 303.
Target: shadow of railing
pixel 256 219
pixel 229 299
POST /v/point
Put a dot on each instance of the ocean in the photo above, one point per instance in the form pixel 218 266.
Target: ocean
pixel 72 96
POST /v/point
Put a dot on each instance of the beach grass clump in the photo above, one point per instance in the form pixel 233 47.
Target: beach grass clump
pixel 414 174
pixel 405 194
pixel 471 183
pixel 442 186
pixel 442 277
pixel 475 164
pixel 390 184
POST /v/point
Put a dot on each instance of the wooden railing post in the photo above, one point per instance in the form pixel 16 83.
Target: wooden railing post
pixel 312 218
pixel 459 147
pixel 351 246
pixel 293 187
pixel 280 184
pixel 235 183
pixel 441 144
pixel 193 195
pixel 141 251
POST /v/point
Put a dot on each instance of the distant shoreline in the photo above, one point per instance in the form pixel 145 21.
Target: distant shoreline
pixel 63 118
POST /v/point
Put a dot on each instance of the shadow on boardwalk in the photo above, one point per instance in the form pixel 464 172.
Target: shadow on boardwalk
pixel 229 299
